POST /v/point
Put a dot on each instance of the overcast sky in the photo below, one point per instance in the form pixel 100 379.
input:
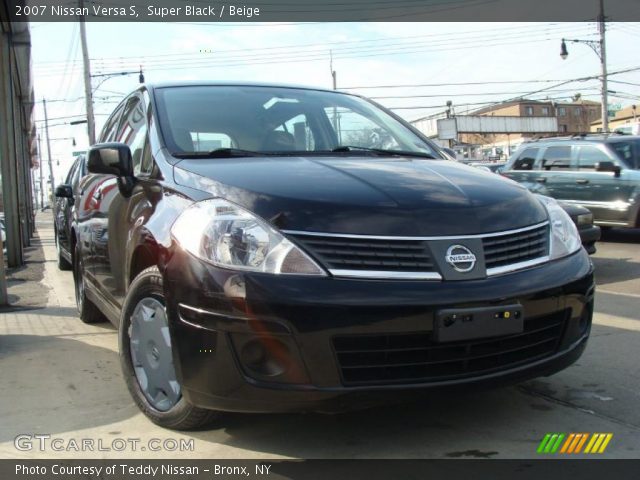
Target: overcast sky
pixel 364 54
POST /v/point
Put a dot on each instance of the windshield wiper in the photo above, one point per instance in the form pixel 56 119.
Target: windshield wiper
pixel 383 152
pixel 221 153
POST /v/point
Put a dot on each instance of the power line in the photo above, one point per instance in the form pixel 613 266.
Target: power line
pixel 454 95
pixel 293 51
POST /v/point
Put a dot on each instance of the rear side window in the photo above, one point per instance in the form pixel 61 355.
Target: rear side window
pixel 109 130
pixel 589 156
pixel 133 131
pixel 71 173
pixel 629 152
pixel 526 159
pixel 557 158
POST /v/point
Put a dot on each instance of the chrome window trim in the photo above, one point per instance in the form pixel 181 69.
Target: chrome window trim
pixel 383 237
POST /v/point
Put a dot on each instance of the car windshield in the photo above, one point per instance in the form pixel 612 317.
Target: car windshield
pixel 240 120
pixel 629 151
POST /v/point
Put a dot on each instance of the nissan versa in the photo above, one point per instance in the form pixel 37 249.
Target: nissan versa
pixel 267 248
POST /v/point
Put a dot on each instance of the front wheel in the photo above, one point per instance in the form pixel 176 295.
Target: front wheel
pixel 63 264
pixel 146 357
pixel 87 310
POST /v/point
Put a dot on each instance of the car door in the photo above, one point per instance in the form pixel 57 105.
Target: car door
pixel 606 194
pixel 63 212
pixel 114 219
pixel 523 169
pixel 92 191
pixel 557 169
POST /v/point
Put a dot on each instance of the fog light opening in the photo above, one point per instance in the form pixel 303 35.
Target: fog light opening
pixel 584 322
pixel 266 357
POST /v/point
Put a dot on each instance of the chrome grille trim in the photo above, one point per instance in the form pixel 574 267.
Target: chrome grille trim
pixel 382 237
pixel 426 275
pixel 385 274
pixel 516 266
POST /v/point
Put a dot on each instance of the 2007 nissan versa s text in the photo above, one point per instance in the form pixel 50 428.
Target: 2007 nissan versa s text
pixel 267 248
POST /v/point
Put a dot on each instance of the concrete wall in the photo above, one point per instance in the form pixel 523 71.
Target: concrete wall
pixel 16 135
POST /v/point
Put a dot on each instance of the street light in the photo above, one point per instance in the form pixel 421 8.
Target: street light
pixel 563 50
pixel 73 140
pixel 107 76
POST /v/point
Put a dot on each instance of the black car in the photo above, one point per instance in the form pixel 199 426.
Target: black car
pixel 65 197
pixel 268 248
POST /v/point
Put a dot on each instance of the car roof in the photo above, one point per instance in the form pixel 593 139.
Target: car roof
pixel 596 138
pixel 227 83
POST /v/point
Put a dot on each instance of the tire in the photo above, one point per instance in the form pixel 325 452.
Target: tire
pixel 163 406
pixel 63 264
pixel 87 310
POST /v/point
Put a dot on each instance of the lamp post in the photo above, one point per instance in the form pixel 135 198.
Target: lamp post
pixel 107 76
pixel 599 47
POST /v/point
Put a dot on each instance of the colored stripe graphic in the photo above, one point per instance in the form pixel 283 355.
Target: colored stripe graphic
pixel 598 443
pixel 573 443
pixel 570 438
pixel 550 443
pixel 543 443
pixel 581 443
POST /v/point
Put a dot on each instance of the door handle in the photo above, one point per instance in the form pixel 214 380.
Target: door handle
pixel 541 180
pixel 582 181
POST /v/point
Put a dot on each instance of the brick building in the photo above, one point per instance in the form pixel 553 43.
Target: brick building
pixel 573 117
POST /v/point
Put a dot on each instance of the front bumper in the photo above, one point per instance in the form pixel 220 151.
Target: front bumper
pixel 264 343
pixel 589 235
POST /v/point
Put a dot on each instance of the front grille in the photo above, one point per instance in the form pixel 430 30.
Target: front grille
pixel 344 253
pixel 410 257
pixel 416 358
pixel 516 247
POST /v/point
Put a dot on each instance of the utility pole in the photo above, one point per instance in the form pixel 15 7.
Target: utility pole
pixel 603 63
pixel 335 87
pixel 41 182
pixel 88 95
pixel 46 132
pixel 600 49
pixel 334 75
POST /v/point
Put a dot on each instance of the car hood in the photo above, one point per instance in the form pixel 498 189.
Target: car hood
pixel 366 195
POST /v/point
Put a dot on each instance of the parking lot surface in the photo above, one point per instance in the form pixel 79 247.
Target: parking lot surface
pixel 62 378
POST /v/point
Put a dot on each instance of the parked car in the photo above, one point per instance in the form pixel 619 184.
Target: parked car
pixel 257 255
pixel 598 172
pixel 66 195
pixel 494 167
pixel 3 233
pixel 582 217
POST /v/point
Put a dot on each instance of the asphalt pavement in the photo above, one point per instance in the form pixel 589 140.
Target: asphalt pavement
pixel 62 378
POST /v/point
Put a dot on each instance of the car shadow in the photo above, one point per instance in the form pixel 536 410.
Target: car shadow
pixel 614 270
pixel 620 235
pixel 393 431
pixel 53 384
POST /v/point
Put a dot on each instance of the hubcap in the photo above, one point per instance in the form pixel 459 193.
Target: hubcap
pixel 79 283
pixel 151 356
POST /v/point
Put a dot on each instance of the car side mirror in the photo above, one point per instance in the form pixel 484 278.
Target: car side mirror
pixel 64 191
pixel 110 159
pixel 608 167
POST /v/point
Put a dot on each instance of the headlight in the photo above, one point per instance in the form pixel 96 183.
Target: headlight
pixel 564 238
pixel 228 236
pixel 585 219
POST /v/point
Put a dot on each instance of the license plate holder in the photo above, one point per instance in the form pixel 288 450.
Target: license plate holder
pixel 457 324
